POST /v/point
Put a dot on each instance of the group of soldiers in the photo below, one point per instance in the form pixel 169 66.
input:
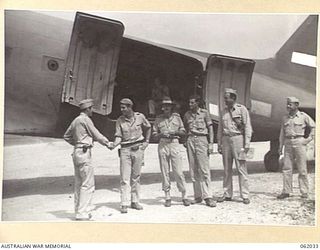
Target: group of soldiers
pixel 133 132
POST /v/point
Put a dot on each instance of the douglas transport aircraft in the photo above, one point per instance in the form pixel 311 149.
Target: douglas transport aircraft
pixel 52 63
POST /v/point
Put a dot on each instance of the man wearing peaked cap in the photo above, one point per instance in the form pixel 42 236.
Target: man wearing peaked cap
pixel 133 133
pixel 81 134
pixel 234 136
pixel 292 137
pixel 168 127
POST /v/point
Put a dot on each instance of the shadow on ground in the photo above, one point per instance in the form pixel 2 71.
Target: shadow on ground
pixel 64 184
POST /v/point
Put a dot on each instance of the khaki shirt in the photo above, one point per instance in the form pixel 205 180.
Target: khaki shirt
pixel 292 126
pixel 228 125
pixel 83 132
pixel 130 130
pixel 165 125
pixel 197 123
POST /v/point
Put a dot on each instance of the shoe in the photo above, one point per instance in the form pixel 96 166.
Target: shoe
pixel 246 201
pixel 124 209
pixel 186 202
pixel 210 202
pixel 198 200
pixel 223 198
pixel 167 203
pixel 283 196
pixel 136 205
pixel 84 218
pixel 304 196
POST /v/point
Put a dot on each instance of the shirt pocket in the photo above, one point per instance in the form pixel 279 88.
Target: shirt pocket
pixel 200 124
pixel 125 130
pixel 175 125
pixel 299 127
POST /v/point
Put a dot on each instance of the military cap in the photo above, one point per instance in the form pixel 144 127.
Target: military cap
pixel 230 90
pixel 126 101
pixel 86 104
pixel 292 99
pixel 167 100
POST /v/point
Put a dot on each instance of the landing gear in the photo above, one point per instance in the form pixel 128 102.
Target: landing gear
pixel 271 159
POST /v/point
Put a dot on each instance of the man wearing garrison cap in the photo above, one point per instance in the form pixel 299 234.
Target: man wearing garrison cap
pixel 292 137
pixel 130 129
pixel 234 136
pixel 81 134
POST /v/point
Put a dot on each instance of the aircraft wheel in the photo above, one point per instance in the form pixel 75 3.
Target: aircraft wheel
pixel 271 161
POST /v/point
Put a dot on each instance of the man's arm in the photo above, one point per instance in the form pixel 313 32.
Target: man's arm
pixel 68 137
pixel 310 124
pixel 147 126
pixel 210 131
pixel 219 134
pixel 96 135
pixel 247 127
pixel 281 139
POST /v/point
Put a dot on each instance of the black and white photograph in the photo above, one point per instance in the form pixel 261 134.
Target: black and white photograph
pixel 159 117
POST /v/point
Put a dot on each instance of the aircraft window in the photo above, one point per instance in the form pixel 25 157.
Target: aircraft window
pixel 53 65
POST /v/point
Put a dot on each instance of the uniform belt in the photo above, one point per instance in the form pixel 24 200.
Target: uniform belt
pixel 294 137
pixel 196 134
pixel 83 146
pixel 231 135
pixel 127 145
pixel 169 139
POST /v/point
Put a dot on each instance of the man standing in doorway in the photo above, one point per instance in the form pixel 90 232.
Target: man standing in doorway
pixel 129 133
pixel 81 134
pixel 158 92
pixel 169 128
pixel 234 136
pixel 292 138
pixel 199 129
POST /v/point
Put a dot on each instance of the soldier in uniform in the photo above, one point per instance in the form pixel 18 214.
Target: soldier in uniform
pixel 168 127
pixel 81 134
pixel 129 133
pixel 199 130
pixel 234 136
pixel 292 138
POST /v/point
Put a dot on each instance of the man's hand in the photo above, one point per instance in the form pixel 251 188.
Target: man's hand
pixel 110 145
pixel 307 140
pixel 165 134
pixel 210 148
pixel 144 145
pixel 219 149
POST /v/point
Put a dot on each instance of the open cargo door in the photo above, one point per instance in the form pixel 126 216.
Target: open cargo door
pixel 227 72
pixel 92 61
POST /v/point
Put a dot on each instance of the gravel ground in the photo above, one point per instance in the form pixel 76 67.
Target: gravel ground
pixel 38 186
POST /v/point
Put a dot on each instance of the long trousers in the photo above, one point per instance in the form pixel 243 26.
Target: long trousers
pixel 130 173
pixel 169 153
pixel 84 182
pixel 295 152
pixel 231 147
pixel 197 149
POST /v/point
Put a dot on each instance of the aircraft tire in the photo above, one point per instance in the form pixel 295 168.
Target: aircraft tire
pixel 271 162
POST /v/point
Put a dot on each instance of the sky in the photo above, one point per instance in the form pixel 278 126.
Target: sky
pixel 254 36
